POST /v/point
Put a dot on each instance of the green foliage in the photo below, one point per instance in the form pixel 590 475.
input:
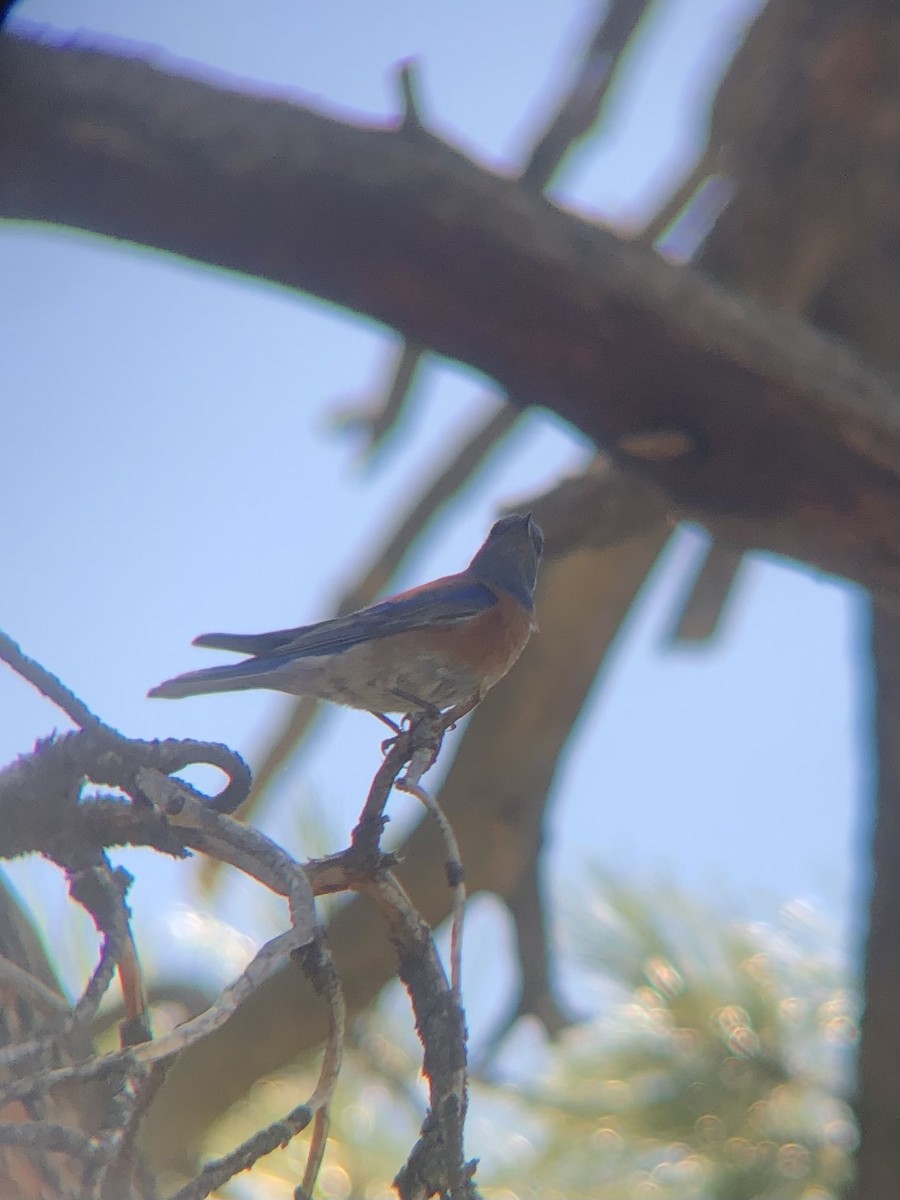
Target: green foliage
pixel 713 1070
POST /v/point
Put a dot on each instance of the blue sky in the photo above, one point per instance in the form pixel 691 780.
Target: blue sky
pixel 169 467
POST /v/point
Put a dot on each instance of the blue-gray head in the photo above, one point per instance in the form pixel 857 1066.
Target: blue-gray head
pixel 510 557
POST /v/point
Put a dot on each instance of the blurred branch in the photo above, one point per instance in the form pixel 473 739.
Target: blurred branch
pixel 878 1077
pixel 443 488
pixel 379 420
pixel 797 445
pixel 738 112
pixel 32 989
pixel 744 103
pixel 803 129
pixel 600 507
pixel 408 87
pixel 581 107
pixel 698 615
pixel 21 1019
pixel 38 1137
pixel 537 989
pixel 577 115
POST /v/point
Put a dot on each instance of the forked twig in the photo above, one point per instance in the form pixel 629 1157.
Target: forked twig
pixel 76 839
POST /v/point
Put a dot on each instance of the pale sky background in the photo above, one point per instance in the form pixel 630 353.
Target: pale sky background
pixel 168 468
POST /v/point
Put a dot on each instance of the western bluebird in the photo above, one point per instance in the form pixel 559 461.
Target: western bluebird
pixel 434 647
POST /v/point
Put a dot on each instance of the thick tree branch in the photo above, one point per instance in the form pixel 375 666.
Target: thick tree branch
pixel 796 445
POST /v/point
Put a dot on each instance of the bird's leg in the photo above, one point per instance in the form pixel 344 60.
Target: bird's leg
pixel 388 743
pixel 431 710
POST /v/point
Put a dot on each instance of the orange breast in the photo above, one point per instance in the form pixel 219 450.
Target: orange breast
pixel 490 643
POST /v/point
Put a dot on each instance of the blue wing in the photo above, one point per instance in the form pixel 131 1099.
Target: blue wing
pixel 434 605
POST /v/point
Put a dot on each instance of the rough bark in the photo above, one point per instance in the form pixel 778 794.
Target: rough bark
pixel 786 441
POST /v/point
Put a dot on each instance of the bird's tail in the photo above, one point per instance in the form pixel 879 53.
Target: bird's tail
pixel 241 643
pixel 231 678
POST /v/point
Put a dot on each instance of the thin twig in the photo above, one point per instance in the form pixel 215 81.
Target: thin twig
pixel 48 685
pixel 582 106
pixel 129 1104
pixel 698 612
pixel 135 1026
pixel 318 966
pixel 380 420
pixel 101 891
pixel 109 1161
pixel 455 877
pixel 32 989
pixel 407 85
pixel 263 1142
pixel 317 1145
pixel 39 1137
pixel 366 834
pixel 183 809
pixel 269 959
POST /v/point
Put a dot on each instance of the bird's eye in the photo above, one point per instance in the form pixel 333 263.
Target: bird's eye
pixel 537 537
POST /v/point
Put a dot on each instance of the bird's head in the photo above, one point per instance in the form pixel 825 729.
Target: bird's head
pixel 510 557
